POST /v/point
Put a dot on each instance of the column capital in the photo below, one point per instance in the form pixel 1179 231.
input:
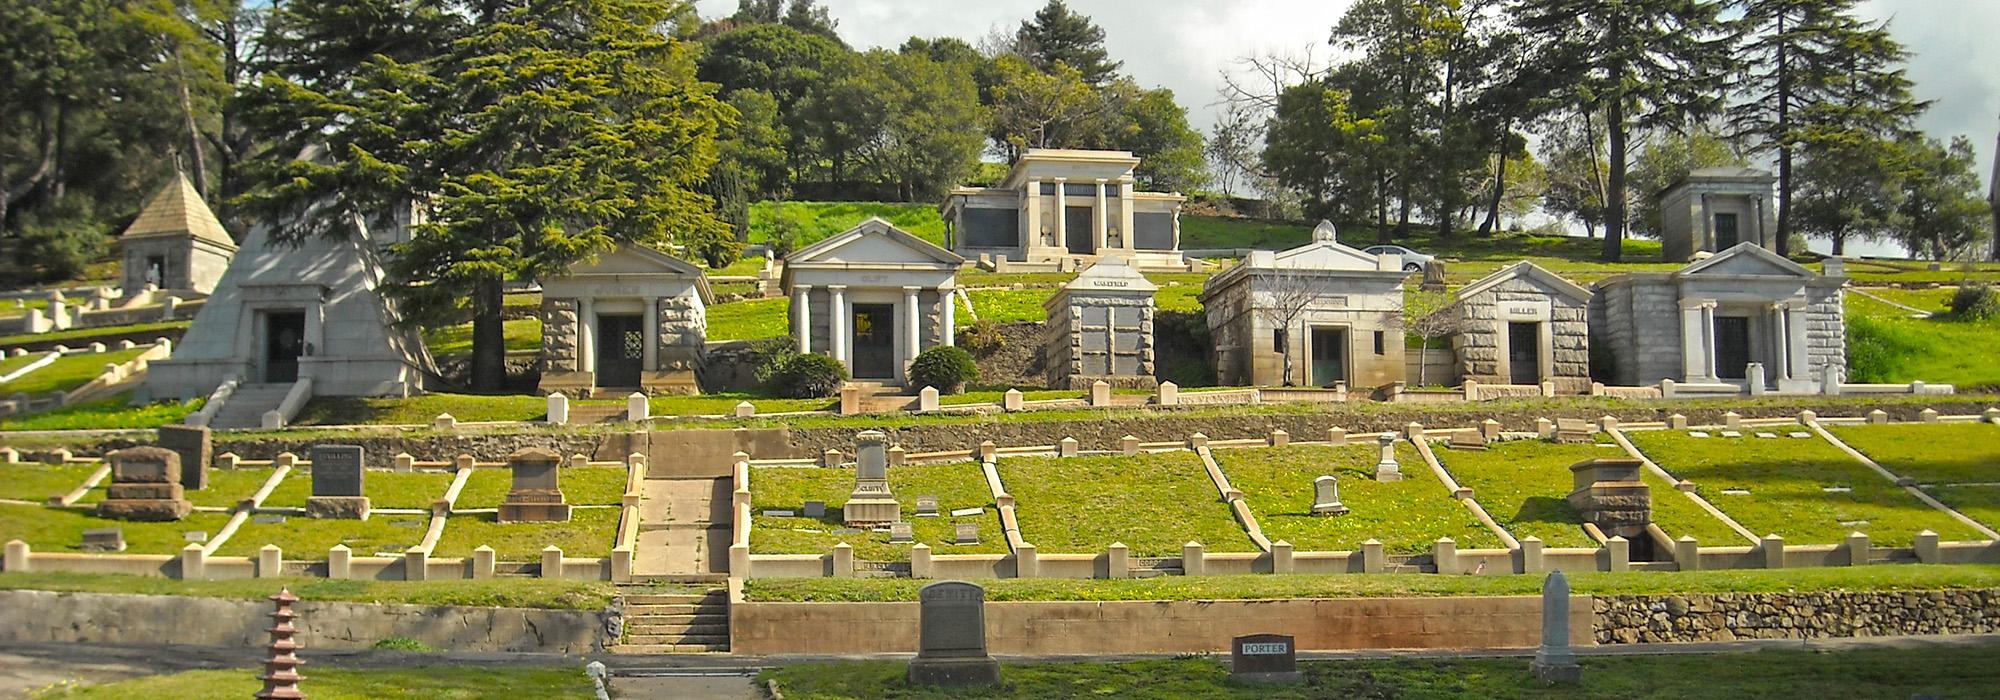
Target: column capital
pixel 836 288
pixel 1102 180
pixel 1060 180
pixel 912 289
pixel 801 288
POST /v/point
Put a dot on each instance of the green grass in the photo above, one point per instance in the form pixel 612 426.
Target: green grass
pixel 725 404
pixel 68 372
pixel 1956 671
pixel 61 529
pixel 995 396
pixel 1934 299
pixel 13 363
pixel 308 539
pixel 1931 350
pixel 955 484
pixel 113 412
pixel 1406 516
pixel 1883 577
pixel 1007 305
pixel 580 485
pixel 567 681
pixel 522 334
pixel 1523 485
pixel 72 336
pixel 37 482
pixel 590 532
pixel 19 307
pixel 746 266
pixel 420 410
pixel 1785 477
pixel 751 319
pixel 1932 454
pixel 227 487
pixel 818 221
pixel 385 489
pixel 1980 503
pixel 1153 503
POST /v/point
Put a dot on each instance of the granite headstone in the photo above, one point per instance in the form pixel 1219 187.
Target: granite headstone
pixel 338 487
pixel 951 646
pixel 196 448
pixel 1264 658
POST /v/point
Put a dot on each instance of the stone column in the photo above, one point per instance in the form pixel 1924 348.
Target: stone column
pixel 650 356
pixel 1795 341
pixel 1125 212
pixel 1781 351
pixel 836 323
pixel 947 323
pixel 586 335
pixel 1704 232
pixel 1694 342
pixel 802 316
pixel 1062 215
pixel 1708 339
pixel 1757 209
pixel 912 330
pixel 1031 220
pixel 1099 218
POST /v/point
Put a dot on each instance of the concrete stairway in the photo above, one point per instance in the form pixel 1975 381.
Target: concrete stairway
pixel 694 621
pixel 879 398
pixel 584 413
pixel 246 406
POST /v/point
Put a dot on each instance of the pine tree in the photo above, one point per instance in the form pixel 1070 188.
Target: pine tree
pixel 1801 54
pixel 1643 63
pixel 1058 35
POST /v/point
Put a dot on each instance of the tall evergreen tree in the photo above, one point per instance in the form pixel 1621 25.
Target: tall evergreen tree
pixel 1800 54
pixel 542 133
pixel 1941 215
pixel 1060 36
pixel 1643 63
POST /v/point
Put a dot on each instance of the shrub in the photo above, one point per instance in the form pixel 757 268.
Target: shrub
pixel 982 337
pixel 805 376
pixel 768 358
pixel 947 367
pixel 1877 351
pixel 1975 301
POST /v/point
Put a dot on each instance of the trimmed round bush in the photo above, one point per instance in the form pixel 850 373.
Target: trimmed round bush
pixel 1975 302
pixel 806 376
pixel 947 367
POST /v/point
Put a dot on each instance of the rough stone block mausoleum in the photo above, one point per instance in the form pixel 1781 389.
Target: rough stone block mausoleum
pixel 634 319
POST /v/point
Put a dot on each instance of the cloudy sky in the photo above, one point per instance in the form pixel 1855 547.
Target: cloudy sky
pixel 1186 44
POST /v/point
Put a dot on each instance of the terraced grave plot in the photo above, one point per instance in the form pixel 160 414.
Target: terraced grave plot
pixel 1525 484
pixel 590 532
pixel 35 483
pixel 385 489
pixel 957 486
pixel 1947 453
pixel 1154 503
pixel 487 486
pixel 1406 516
pixel 228 487
pixel 1805 490
pixel 61 529
pixel 1980 503
pixel 308 539
pixel 68 372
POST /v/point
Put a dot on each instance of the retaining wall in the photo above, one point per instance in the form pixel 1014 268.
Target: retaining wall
pixel 1721 617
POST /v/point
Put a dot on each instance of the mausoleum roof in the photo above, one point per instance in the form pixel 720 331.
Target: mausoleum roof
pixel 1529 270
pixel 177 209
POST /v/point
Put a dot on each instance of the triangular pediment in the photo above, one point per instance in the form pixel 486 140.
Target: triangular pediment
pixel 1326 255
pixel 1536 275
pixel 874 242
pixel 1747 259
pixel 636 259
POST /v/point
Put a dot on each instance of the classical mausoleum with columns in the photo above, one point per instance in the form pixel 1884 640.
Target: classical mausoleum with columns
pixel 1724 320
pixel 634 319
pixel 1338 311
pixel 1713 209
pixel 872 297
pixel 1066 207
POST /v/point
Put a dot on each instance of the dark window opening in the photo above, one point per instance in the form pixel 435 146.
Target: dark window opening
pixel 1378 343
pixel 1278 340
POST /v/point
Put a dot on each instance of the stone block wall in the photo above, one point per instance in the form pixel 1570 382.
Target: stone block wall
pixel 1826 331
pixel 1066 350
pixel 683 333
pixel 559 335
pixel 1721 617
pixel 1478 346
pixel 1637 325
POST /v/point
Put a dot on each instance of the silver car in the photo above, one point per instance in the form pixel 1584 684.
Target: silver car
pixel 1413 261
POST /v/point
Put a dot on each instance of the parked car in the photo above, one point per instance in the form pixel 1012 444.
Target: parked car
pixel 1413 261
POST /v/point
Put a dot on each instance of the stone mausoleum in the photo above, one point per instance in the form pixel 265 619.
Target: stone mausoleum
pixel 305 310
pixel 1100 327
pixel 176 243
pixel 1067 207
pixel 1721 320
pixel 633 319
pixel 1523 325
pixel 1338 311
pixel 1713 209
pixel 871 297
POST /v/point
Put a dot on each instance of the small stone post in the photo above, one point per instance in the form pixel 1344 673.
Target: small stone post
pixel 745 409
pixel 1928 415
pixel 1732 421
pixel 444 423
pixel 1128 445
pixel 1554 662
pixel 1336 436
pixel 281 668
pixel 1618 554
pixel 1531 555
pixel 927 399
pixel 16 561
pixel 552 562
pixel 1281 557
pixel 1012 400
pixel 1807 418
pixel 1545 428
pixel 1279 438
pixel 404 462
pixel 1118 561
pixel 843 560
pixel 1067 447
pixel 1444 554
pixel 1677 422
pixel 1193 560
pixel 1857 549
pixel 270 561
pixel 1926 545
pixel 1773 549
pixel 1197 441
pixel 637 407
pixel 1026 563
pixel 920 560
pixel 1100 394
pixel 1687 553
pixel 194 562
pixel 1169 394
pixel 1372 559
pixel 1878 417
pixel 558 409
pixel 416 564
pixel 338 564
pixel 988 451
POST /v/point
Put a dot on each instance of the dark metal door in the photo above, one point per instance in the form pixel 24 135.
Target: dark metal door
pixel 1329 356
pixel 621 350
pixel 1732 346
pixel 1077 230
pixel 1524 353
pixel 874 341
pixel 284 342
pixel 1726 235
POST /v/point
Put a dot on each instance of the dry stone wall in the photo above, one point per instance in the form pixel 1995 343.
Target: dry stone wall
pixel 1722 617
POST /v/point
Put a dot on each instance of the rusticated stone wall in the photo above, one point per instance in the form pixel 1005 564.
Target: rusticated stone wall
pixel 1722 617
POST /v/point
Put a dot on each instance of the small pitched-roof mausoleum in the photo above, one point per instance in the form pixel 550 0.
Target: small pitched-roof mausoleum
pixel 872 297
pixel 633 319
pixel 175 244
pixel 1523 325
pixel 1335 309
pixel 1713 209
pixel 1724 320
pixel 1100 327
pixel 1068 207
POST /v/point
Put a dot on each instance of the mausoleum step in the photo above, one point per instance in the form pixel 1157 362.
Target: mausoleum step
pixel 660 637
pixel 671 649
pixel 645 599
pixel 651 609
pixel 638 629
pixel 705 618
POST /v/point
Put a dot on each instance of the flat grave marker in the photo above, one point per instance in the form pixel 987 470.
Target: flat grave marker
pixel 901 533
pixel 195 536
pixel 964 512
pixel 104 539
pixel 965 533
pixel 1698 433
pixel 268 519
pixel 815 509
pixel 927 506
pixel 774 513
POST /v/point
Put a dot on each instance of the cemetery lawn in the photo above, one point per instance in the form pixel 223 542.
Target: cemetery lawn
pixel 817 221
pixel 589 533
pixel 956 485
pixel 1786 477
pixel 522 334
pixel 1406 516
pixel 1947 671
pixel 1980 503
pixel 1524 485
pixel 1153 503
pixel 1883 577
pixel 580 485
pixel 68 372
pixel 750 319
pixel 61 529
pixel 37 482
pixel 506 592
pixel 227 487
pixel 420 410
pixel 1932 350
pixel 564 682
pixel 1947 453
pixel 724 404
pixel 114 412
pixel 308 539
pixel 76 337
pixel 385 489
pixel 13 363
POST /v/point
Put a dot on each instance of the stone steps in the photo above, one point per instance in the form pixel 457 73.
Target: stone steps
pixel 247 404
pixel 671 649
pixel 679 622
pixel 717 630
